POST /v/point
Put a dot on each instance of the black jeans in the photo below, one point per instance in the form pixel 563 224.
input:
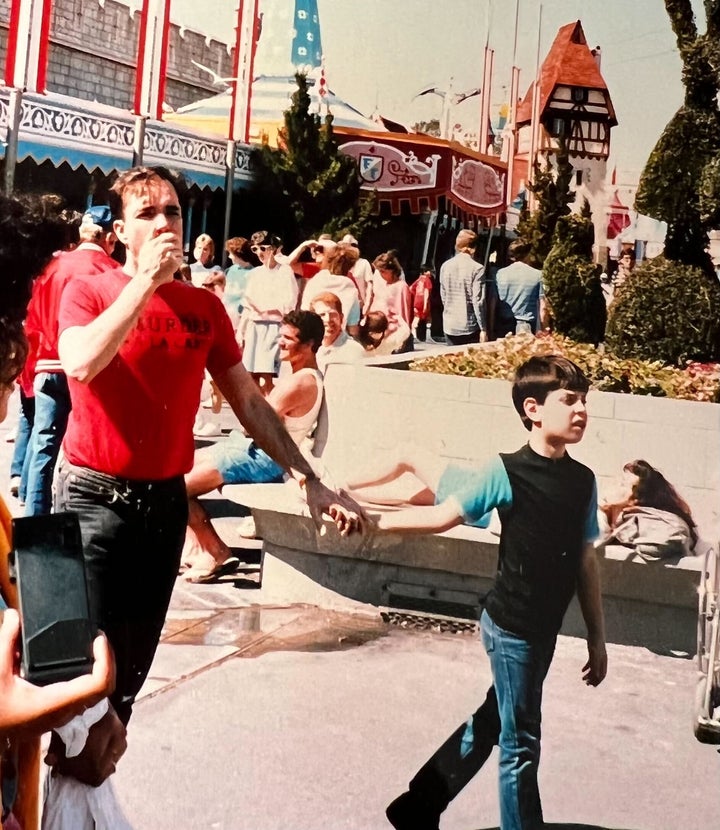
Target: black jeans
pixel 132 533
pixel 463 339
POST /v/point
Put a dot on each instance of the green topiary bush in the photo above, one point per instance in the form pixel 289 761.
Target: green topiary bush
pixel 572 282
pixel 666 311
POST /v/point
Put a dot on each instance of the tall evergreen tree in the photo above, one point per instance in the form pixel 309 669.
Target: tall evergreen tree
pixel 307 184
pixel 680 181
pixel 553 196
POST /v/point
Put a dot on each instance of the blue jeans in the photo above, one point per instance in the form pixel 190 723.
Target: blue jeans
pixel 21 456
pixel 52 407
pixel 132 534
pixel 519 667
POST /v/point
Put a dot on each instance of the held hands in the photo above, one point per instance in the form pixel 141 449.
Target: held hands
pixel 344 511
pixel 27 710
pixel 160 257
pixel 595 669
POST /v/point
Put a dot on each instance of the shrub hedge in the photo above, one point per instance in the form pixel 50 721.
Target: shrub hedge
pixel 667 312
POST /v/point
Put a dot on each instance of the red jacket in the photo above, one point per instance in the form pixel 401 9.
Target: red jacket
pixel 41 325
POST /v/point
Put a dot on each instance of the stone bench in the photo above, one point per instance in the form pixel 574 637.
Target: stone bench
pixel 648 604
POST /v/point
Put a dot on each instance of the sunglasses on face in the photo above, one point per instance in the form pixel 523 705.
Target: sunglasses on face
pixel 256 249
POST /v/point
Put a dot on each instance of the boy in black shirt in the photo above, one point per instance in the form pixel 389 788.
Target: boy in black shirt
pixel 547 503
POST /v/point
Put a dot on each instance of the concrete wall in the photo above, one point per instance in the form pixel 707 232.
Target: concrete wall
pixel 93 54
pixel 373 408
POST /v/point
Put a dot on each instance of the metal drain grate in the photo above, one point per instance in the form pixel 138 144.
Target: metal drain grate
pixel 429 622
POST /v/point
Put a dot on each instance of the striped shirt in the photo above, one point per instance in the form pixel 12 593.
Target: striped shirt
pixel 461 291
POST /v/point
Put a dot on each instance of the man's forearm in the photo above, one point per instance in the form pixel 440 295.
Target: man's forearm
pixel 589 595
pixel 86 350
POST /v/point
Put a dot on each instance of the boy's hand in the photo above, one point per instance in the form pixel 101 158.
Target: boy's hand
pixel 595 669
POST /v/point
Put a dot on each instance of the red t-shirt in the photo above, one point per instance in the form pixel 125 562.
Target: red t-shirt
pixel 135 418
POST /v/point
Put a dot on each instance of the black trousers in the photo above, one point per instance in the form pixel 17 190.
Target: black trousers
pixel 132 533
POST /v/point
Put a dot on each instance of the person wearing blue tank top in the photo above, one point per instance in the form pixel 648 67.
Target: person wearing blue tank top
pixel 547 505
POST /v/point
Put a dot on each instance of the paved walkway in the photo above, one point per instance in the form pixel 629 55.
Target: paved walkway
pixel 265 713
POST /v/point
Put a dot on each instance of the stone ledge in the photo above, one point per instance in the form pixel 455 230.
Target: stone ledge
pixel 648 604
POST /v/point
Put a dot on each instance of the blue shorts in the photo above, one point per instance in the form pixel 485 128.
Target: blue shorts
pixel 239 461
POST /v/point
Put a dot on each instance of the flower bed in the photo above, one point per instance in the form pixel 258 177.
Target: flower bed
pixel 607 373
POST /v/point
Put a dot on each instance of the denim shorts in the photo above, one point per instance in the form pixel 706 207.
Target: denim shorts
pixel 240 461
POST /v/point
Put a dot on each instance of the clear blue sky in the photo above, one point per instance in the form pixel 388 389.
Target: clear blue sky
pixel 381 52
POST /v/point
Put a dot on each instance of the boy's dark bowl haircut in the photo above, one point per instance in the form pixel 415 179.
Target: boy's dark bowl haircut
pixel 542 374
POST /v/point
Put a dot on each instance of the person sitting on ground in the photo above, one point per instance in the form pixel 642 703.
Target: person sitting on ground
pixel 335 278
pixel 270 294
pixel 30 231
pixel 337 345
pixel 204 253
pixel 376 337
pixel 646 512
pixel 296 398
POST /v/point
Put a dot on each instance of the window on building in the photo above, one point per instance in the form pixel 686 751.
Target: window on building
pixel 579 95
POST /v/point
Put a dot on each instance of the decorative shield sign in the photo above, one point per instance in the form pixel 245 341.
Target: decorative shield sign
pixel 477 184
pixel 388 168
pixel 371 167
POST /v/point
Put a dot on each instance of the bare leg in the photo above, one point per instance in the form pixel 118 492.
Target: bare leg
pixel 406 474
pixel 205 549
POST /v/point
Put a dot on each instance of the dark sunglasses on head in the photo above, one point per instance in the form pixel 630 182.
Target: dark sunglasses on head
pixel 263 248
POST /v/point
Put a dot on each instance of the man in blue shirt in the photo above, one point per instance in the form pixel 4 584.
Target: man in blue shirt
pixel 521 301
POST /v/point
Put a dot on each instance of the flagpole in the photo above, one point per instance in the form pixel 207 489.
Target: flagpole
pixel 535 126
pixel 514 92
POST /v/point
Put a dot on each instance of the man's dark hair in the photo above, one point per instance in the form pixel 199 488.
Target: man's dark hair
pixel 138 178
pixel 32 228
pixel 518 249
pixel 543 374
pixel 309 325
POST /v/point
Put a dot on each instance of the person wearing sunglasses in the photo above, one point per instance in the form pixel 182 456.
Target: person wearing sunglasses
pixel 271 293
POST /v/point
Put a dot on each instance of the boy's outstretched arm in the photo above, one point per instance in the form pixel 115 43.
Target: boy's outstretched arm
pixel 588 591
pixel 433 519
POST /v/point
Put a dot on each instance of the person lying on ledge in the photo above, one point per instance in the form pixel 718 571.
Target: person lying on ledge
pixel 297 399
pixel 645 512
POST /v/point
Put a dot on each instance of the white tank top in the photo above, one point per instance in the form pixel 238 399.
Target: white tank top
pixel 300 426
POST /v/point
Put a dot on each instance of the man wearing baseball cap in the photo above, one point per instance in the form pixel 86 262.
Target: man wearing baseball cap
pixel 52 398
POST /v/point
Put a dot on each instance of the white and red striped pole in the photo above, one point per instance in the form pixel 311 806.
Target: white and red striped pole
pixel 152 52
pixel 27 45
pixel 247 36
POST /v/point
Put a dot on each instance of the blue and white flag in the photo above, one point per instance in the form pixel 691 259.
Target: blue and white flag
pixel 306 49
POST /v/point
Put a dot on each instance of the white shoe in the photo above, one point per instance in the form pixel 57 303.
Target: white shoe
pixel 207 430
pixel 246 528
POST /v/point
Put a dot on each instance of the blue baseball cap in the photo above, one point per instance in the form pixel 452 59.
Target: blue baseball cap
pixel 100 215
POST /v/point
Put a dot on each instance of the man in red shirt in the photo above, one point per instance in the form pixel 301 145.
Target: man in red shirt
pixel 134 344
pixel 52 398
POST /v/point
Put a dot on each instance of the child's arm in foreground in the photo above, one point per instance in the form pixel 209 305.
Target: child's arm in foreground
pixel 588 591
pixel 433 519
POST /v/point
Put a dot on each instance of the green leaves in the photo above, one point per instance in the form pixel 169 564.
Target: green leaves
pixel 607 373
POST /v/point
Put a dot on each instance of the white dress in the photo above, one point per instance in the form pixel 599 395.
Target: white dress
pixel 270 294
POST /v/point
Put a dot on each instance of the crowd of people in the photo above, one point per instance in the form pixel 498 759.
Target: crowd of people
pixel 115 358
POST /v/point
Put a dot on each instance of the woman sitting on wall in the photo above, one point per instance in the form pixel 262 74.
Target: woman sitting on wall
pixel 646 513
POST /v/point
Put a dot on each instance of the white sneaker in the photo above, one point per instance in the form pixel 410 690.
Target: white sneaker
pixel 246 528
pixel 207 430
